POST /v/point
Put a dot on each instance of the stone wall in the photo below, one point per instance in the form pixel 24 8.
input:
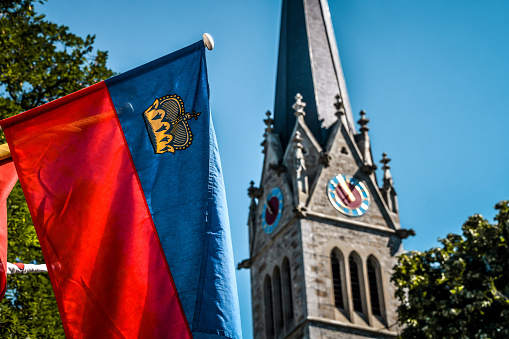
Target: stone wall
pixel 319 239
pixel 287 243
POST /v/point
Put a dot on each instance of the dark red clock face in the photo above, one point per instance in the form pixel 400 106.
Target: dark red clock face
pixel 272 210
pixel 350 197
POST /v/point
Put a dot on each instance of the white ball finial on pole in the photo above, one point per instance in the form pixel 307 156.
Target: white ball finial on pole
pixel 208 41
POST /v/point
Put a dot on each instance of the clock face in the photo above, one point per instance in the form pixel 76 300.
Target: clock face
pixel 272 210
pixel 348 195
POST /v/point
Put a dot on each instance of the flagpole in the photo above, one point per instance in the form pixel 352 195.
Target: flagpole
pixel 208 41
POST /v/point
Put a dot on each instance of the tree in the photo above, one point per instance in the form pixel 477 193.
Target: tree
pixel 40 61
pixel 460 290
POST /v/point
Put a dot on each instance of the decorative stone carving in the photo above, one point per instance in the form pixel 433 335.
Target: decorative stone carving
pixel 300 211
pixel 387 173
pixel 298 106
pixel 324 159
pixel 387 190
pixel 368 169
pixel 364 145
pixel 301 188
pixel 269 122
pixel 268 130
pixel 404 233
pixel 340 107
pixel 278 168
pixel 246 263
pixel 264 144
pixel 254 192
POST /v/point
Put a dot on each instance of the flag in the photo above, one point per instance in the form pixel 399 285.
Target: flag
pixel 8 178
pixel 124 184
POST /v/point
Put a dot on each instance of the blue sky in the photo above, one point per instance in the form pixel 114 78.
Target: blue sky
pixel 432 76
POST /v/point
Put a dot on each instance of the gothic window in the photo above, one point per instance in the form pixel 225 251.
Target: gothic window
pixel 356 282
pixel 269 311
pixel 375 286
pixel 337 267
pixel 287 290
pixel 278 301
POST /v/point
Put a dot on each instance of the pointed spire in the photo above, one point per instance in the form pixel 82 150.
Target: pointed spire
pixel 364 144
pixel 363 121
pixel 297 141
pixel 387 190
pixel 387 173
pixel 298 106
pixel 340 107
pixel 308 63
pixel 268 130
pixel 269 122
pixel 254 192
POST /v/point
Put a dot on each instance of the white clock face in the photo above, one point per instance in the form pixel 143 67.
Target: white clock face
pixel 348 195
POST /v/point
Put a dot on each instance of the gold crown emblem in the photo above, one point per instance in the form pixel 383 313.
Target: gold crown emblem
pixel 167 124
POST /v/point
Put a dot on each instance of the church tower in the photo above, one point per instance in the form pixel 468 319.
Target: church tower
pixel 323 232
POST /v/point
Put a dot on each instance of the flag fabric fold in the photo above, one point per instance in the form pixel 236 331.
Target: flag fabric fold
pixel 8 178
pixel 124 185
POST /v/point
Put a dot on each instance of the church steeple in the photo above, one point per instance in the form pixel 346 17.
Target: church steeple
pixel 323 235
pixel 308 64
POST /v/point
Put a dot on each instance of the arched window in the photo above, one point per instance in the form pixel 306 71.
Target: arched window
pixel 375 286
pixel 278 301
pixel 337 268
pixel 356 282
pixel 287 290
pixel 269 311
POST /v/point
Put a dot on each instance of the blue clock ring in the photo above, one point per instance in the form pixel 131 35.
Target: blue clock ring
pixel 272 210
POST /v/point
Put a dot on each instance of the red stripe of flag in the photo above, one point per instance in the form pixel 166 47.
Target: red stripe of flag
pixel 8 178
pixel 103 254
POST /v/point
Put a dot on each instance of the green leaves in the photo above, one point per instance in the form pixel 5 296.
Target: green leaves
pixel 29 308
pixel 40 62
pixel 460 290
